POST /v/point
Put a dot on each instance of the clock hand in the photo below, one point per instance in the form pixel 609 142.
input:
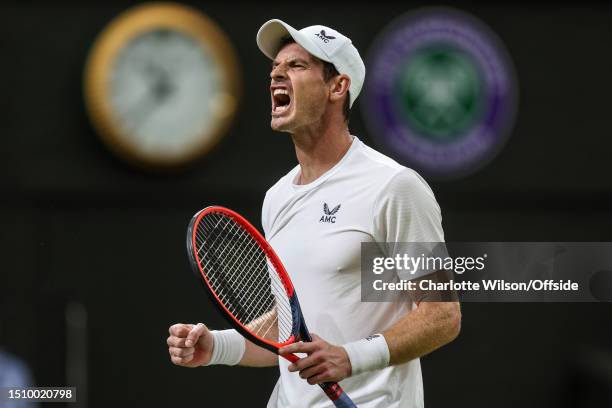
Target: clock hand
pixel 161 84
pixel 163 88
pixel 140 111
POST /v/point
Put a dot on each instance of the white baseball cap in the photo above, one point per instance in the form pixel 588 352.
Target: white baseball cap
pixel 323 42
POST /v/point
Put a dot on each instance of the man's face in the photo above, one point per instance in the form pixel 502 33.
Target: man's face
pixel 298 90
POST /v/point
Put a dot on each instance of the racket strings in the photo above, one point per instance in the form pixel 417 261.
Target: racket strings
pixel 242 290
pixel 242 277
pixel 233 273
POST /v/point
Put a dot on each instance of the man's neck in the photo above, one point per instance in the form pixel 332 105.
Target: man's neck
pixel 320 149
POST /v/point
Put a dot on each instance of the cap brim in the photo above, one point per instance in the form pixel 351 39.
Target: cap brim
pixel 273 32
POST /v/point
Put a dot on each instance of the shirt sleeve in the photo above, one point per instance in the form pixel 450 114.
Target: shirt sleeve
pixel 406 211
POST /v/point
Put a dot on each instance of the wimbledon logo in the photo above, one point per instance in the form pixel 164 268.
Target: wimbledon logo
pixel 441 92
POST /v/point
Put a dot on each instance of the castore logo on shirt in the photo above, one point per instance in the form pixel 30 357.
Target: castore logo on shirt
pixel 329 216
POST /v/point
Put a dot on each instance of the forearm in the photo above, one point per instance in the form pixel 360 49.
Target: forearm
pixel 430 326
pixel 255 356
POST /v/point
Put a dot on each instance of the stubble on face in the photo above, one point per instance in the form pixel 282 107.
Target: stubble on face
pixel 298 90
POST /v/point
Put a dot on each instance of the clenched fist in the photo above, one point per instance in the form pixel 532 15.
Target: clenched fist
pixel 190 345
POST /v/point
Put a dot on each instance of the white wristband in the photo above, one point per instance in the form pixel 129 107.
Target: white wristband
pixel 228 347
pixel 371 353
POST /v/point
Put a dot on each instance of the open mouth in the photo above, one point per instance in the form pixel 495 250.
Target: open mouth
pixel 280 101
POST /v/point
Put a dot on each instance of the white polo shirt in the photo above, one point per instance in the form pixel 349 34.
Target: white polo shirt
pixel 316 230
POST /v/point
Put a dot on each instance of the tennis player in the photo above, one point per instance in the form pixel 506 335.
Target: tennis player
pixel 342 193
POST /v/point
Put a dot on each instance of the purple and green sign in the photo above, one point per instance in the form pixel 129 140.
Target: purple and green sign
pixel 441 93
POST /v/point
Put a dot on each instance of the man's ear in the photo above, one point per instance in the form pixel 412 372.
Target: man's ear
pixel 340 87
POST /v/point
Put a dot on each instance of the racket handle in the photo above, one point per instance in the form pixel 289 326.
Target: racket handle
pixel 337 395
pixel 292 358
pixel 333 390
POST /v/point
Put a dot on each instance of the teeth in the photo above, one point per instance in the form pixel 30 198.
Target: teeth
pixel 279 109
pixel 281 92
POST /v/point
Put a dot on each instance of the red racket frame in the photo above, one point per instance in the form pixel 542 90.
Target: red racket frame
pixel 274 259
pixel 333 390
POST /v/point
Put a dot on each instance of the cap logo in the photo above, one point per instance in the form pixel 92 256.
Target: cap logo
pixel 325 38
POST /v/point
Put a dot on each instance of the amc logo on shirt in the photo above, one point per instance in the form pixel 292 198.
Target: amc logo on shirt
pixel 329 215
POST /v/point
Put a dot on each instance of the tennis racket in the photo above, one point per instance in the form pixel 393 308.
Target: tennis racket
pixel 247 282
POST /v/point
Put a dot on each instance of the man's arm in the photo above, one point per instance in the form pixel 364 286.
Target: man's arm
pixel 255 356
pixel 409 213
pixel 421 331
pixel 266 326
pixel 430 326
pixel 193 345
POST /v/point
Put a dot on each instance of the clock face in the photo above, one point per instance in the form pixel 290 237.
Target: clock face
pixel 165 92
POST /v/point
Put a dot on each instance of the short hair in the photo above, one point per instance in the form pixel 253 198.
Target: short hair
pixel 329 72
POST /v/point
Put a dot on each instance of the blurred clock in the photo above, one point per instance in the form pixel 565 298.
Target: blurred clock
pixel 161 85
